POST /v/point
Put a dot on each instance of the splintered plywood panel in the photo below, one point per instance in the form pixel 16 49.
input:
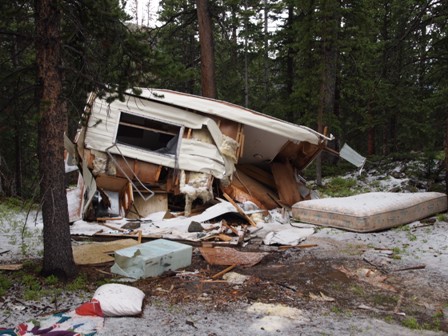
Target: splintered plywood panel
pixel 299 154
pixel 257 192
pixel 258 174
pixel 98 253
pixel 142 208
pixel 287 186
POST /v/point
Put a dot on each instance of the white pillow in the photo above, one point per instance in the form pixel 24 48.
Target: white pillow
pixel 119 300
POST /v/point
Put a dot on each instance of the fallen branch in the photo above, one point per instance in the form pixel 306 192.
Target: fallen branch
pixel 297 246
pixel 410 268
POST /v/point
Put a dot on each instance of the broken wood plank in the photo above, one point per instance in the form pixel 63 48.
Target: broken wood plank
pixel 240 211
pixel 299 154
pixel 11 267
pixel 113 227
pixel 231 228
pixel 257 174
pixel 224 237
pixel 287 186
pixel 254 189
pixel 98 253
pixel 224 271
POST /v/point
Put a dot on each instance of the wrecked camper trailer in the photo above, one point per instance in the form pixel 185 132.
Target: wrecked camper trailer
pixel 165 150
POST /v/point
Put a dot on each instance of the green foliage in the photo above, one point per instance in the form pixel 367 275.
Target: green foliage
pixel 411 323
pixel 79 283
pixel 5 284
pixel 442 217
pixel 51 280
pixel 340 187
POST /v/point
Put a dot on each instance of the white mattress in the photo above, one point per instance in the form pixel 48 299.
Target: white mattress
pixel 370 212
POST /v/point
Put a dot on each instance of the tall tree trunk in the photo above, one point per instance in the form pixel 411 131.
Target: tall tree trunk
pixel 266 53
pixel 446 155
pixel 58 256
pixel 19 173
pixel 246 61
pixel 328 74
pixel 293 115
pixel 208 84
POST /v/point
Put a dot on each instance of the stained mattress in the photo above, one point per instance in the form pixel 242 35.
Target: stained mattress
pixel 371 211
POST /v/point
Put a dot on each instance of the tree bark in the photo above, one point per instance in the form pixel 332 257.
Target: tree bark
pixel 328 72
pixel 208 84
pixel 446 155
pixel 58 255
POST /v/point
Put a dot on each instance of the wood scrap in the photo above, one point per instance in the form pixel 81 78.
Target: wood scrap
pixel 139 239
pixel 257 174
pixel 297 246
pixel 11 267
pixel 287 186
pixel 244 188
pixel 113 227
pixel 230 227
pixel 224 237
pixel 240 211
pixel 224 271
pixel 416 267
pixel 98 253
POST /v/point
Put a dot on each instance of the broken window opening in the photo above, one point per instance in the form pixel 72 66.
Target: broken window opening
pixel 148 134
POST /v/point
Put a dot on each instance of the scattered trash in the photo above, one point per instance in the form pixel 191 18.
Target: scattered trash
pixel 373 277
pixel 235 278
pixel 119 300
pixel 288 237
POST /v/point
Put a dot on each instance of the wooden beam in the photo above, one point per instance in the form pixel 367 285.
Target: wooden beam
pixel 240 211
pixel 287 186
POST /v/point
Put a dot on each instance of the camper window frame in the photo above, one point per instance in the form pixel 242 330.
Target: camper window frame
pixel 168 147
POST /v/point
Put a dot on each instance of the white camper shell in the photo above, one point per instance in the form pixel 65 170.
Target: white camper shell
pixel 165 150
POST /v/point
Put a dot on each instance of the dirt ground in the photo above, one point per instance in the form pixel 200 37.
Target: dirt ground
pixel 388 283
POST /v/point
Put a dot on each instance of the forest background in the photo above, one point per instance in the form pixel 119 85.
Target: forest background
pixel 374 72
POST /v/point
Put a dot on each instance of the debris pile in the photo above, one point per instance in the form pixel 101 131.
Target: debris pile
pixel 165 151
